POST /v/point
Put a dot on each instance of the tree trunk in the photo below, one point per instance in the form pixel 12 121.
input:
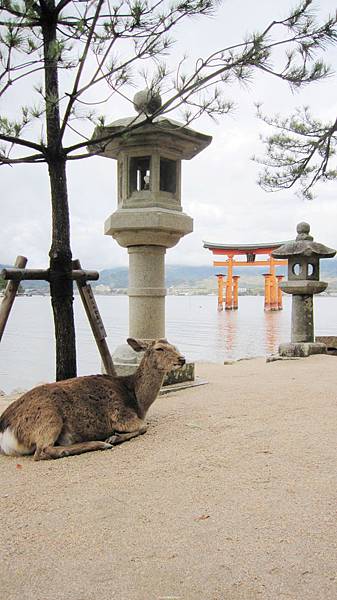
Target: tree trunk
pixel 61 285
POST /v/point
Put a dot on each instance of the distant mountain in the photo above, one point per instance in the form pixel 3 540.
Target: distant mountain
pixel 180 274
pixel 175 275
pixel 115 278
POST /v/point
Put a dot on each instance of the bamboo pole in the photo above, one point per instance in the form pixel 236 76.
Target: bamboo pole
pixel 9 297
pixel 95 320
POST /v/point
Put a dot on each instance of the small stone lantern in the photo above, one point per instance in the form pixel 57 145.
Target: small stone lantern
pixel 303 256
pixel 149 217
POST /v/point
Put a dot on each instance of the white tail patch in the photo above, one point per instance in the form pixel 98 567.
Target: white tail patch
pixel 11 446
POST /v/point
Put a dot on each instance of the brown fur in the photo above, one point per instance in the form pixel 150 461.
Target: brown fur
pixel 92 412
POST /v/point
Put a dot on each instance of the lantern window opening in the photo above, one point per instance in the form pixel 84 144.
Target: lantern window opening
pixel 311 270
pixel 139 173
pixel 168 175
pixel 297 269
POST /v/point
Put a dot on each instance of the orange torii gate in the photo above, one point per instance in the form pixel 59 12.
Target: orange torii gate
pixel 272 291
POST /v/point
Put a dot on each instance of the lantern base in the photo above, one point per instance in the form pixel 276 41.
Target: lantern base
pixel 148 226
pixel 330 341
pixel 301 349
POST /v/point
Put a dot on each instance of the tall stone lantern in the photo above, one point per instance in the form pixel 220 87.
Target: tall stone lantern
pixel 303 256
pixel 149 216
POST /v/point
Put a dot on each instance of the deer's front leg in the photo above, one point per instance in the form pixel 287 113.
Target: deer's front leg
pixel 119 438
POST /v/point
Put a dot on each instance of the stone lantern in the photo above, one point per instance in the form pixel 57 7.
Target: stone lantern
pixel 149 217
pixel 303 256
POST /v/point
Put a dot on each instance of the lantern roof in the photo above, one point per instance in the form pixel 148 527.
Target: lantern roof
pixel 303 245
pixel 145 131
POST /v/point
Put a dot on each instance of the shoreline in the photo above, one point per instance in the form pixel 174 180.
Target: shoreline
pixel 17 392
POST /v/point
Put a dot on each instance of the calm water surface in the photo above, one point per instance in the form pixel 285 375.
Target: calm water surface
pixel 192 323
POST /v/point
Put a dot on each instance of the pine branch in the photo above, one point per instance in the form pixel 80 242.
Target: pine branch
pixel 300 154
pixel 21 142
pixel 34 158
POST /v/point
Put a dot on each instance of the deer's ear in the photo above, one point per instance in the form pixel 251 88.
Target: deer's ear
pixel 138 345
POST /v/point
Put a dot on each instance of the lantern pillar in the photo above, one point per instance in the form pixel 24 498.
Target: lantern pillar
pixel 146 292
pixel 302 319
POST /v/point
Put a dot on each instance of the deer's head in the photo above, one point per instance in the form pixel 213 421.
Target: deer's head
pixel 163 356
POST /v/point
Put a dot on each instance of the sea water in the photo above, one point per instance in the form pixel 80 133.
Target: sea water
pixel 27 353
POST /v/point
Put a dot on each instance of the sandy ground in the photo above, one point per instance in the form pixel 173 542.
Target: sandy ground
pixel 230 495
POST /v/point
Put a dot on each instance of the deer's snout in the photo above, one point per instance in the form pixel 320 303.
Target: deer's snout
pixel 181 361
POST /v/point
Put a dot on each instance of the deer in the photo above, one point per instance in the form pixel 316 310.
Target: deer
pixel 92 412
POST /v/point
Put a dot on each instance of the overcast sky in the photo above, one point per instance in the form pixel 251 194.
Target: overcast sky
pixel 219 186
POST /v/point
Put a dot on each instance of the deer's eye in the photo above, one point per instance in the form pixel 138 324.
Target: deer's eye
pixel 160 349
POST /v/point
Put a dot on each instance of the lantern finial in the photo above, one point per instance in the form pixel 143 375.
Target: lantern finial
pixel 303 230
pixel 147 101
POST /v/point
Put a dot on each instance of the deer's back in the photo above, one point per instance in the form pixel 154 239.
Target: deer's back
pixel 87 405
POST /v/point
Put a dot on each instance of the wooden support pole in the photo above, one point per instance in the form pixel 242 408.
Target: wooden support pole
pixel 9 297
pixel 95 320
pixel 236 291
pixel 220 291
pixel 79 274
pixel 279 292
pixel 44 274
pixel 229 284
pixel 266 291
pixel 19 274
